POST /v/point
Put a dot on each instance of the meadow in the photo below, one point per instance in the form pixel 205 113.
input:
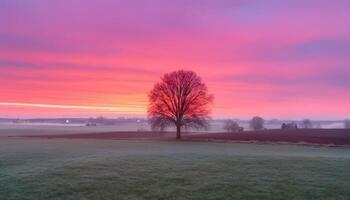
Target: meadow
pixel 36 168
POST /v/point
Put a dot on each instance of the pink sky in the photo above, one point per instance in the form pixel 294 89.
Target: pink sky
pixel 283 59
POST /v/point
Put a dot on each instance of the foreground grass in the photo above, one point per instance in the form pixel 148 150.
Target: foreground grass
pixel 88 169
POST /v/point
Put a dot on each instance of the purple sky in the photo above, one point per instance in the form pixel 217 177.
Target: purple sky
pixel 286 59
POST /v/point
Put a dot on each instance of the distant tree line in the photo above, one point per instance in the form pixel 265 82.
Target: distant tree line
pixel 232 126
pixel 256 123
pixel 306 123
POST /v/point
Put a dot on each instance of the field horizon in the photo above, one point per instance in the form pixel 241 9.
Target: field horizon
pixel 314 136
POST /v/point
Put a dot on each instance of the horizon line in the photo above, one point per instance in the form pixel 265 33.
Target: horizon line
pixel 124 113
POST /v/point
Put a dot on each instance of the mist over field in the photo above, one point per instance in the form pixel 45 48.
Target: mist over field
pixel 76 125
pixel 9 128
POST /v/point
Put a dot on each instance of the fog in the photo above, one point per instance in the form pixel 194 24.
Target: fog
pixel 37 128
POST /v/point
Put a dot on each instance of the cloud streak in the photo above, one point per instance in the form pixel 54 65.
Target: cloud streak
pixel 60 106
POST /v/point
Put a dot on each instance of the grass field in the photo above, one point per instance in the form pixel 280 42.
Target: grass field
pixel 111 169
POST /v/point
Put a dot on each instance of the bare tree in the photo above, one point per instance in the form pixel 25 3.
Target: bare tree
pixel 180 99
pixel 232 126
pixel 257 123
pixel 306 123
pixel 347 123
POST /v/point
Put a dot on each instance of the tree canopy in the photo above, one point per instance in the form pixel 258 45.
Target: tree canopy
pixel 179 99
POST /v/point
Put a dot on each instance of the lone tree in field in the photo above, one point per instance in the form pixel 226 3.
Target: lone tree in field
pixel 180 99
pixel 257 123
pixel 306 123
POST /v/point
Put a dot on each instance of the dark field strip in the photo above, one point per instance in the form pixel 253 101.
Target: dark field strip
pixel 312 136
pixel 305 136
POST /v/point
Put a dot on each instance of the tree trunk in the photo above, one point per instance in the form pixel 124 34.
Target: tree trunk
pixel 178 132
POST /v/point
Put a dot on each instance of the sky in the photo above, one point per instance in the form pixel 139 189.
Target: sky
pixel 278 59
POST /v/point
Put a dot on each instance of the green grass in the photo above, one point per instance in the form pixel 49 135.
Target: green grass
pixel 97 169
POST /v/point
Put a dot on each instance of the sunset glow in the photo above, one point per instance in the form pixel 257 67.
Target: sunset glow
pixel 60 106
pixel 277 59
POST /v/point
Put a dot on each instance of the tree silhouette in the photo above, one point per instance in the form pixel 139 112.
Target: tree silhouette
pixel 306 123
pixel 180 99
pixel 232 126
pixel 256 123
